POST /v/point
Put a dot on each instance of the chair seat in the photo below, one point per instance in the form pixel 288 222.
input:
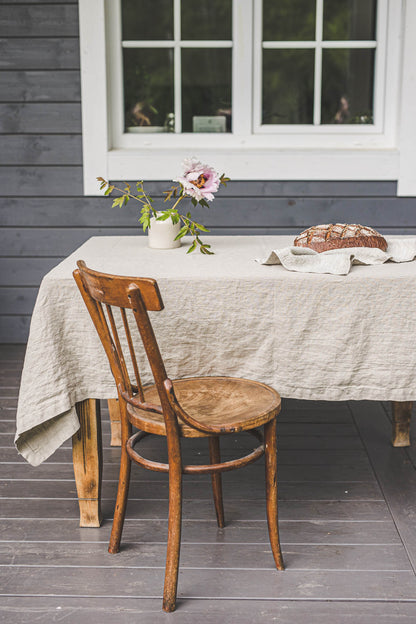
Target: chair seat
pixel 217 401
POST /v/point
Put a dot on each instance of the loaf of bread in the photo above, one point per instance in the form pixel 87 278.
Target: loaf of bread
pixel 339 235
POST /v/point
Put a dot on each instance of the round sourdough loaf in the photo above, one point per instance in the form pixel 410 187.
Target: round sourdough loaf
pixel 340 235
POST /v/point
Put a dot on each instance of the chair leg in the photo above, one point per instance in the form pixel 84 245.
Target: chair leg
pixel 174 537
pixel 122 491
pixel 215 458
pixel 270 450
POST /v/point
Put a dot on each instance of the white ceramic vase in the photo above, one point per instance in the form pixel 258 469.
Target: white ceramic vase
pixel 162 234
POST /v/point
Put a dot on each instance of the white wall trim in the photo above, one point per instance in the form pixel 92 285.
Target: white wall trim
pixel 260 164
pixel 407 137
pixel 95 140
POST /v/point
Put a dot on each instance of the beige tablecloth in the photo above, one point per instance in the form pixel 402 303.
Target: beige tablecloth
pixel 340 261
pixel 310 336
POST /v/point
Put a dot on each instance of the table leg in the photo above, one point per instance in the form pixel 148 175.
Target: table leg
pixel 115 422
pixel 88 462
pixel 402 411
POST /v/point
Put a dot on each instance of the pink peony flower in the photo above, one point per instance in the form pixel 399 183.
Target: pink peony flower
pixel 198 181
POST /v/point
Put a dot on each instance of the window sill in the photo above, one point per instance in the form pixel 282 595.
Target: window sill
pixel 248 163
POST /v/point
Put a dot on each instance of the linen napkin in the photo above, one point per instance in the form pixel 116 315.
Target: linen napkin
pixel 339 261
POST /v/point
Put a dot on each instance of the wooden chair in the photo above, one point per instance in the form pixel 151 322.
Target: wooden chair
pixel 192 408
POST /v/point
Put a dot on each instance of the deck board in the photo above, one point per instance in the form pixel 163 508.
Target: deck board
pixel 127 610
pixel 214 583
pixel 325 532
pixel 347 521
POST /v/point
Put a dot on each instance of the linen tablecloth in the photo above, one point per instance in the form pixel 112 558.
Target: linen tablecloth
pixel 309 336
pixel 340 261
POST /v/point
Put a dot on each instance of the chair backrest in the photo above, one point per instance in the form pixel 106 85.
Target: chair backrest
pixel 103 292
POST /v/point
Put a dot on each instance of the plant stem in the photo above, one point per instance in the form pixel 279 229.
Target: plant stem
pixel 180 198
pixel 124 192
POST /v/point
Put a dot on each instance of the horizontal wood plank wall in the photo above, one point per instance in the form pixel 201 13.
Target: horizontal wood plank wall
pixel 43 213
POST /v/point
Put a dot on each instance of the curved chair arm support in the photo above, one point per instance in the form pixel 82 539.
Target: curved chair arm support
pixel 148 407
pixel 192 422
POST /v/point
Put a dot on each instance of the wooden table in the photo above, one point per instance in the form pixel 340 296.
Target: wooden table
pixel 197 289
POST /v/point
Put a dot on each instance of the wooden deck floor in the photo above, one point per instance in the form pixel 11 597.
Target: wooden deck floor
pixel 347 521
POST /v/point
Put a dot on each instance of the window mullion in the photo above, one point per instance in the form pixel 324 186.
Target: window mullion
pixel 177 64
pixel 290 45
pixel 257 77
pixel 318 63
pixel 115 73
pixel 242 63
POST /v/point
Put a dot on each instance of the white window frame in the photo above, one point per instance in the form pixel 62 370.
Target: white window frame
pixel 317 45
pixel 116 45
pixel 385 151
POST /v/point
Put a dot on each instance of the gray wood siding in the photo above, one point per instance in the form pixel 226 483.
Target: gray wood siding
pixel 43 213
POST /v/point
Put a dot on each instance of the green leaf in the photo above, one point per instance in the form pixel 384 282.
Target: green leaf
pixel 182 232
pixel 192 248
pixel 203 202
pixel 194 201
pixel 118 201
pixel 163 217
pixel 145 221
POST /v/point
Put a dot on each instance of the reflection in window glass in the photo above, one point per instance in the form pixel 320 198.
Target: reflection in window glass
pixel 288 20
pixel 206 86
pixel 206 20
pixel 349 20
pixel 288 77
pixel 347 86
pixel 148 89
pixel 145 20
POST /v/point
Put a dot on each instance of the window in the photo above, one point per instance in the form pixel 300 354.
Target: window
pixel 265 89
pixel 177 68
pixel 315 62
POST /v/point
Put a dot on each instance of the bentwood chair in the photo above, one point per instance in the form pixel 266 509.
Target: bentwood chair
pixel 197 407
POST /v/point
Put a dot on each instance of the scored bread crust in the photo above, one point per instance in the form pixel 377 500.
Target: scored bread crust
pixel 338 236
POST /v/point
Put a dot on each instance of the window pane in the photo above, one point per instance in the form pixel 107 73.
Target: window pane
pixel 148 89
pixel 289 20
pixel 206 20
pixel 288 86
pixel 347 86
pixel 349 20
pixel 206 89
pixel 147 20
